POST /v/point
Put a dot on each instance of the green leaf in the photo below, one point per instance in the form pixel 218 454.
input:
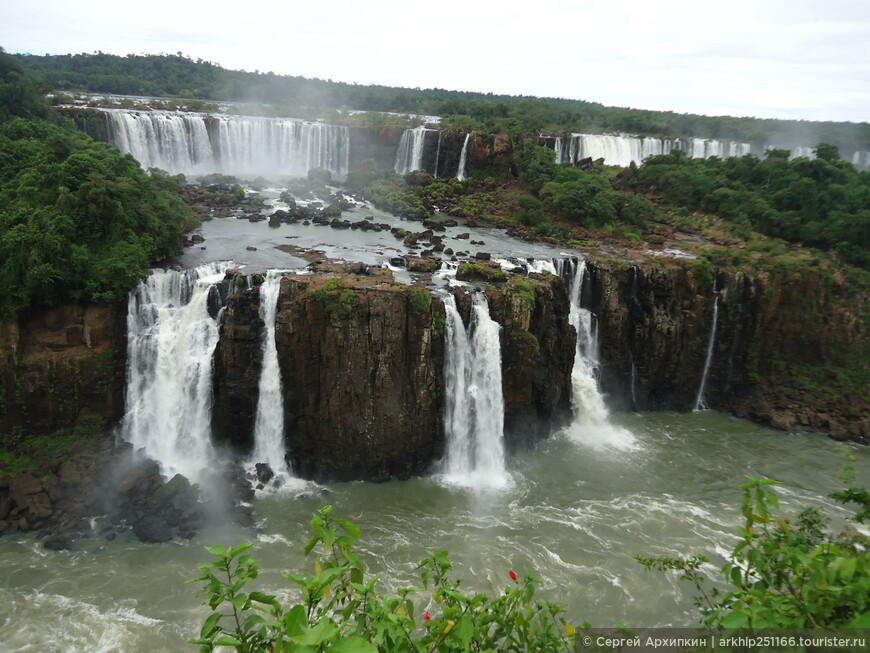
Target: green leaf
pixel 210 625
pixel 323 631
pixel 353 645
pixel 861 621
pixel 295 621
pixel 465 630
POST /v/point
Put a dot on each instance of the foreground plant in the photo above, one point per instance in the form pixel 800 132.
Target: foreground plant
pixel 340 610
pixel 784 573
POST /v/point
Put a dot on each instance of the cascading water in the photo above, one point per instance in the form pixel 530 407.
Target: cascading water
pixel 269 425
pixel 437 155
pixel 622 149
pixel 195 143
pixel 591 423
pixel 409 156
pixel 171 338
pixel 463 156
pixel 474 419
pixel 700 403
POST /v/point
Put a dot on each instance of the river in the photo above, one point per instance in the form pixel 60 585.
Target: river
pixel 576 510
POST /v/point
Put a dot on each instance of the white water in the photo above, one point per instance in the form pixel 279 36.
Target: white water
pixel 474 415
pixel 269 425
pixel 591 424
pixel 437 154
pixel 700 404
pixel 409 156
pixel 195 143
pixel 622 149
pixel 171 339
pixel 463 156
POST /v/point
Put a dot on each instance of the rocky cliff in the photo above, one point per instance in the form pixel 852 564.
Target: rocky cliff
pixel 789 348
pixel 56 365
pixel 362 363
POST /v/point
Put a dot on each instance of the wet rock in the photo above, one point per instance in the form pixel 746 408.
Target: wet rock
pixel 58 542
pixel 152 530
pixel 483 256
pixel 264 473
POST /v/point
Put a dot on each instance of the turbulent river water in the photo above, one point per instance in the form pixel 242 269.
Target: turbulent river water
pixel 575 510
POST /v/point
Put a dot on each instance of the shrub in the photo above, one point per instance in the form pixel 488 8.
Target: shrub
pixel 340 609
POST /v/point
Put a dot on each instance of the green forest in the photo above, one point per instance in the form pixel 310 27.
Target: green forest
pixel 78 220
pixel 175 75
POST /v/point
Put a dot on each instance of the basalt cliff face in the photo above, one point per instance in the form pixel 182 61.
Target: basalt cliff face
pixel 363 358
pixel 784 348
pixel 362 364
pixel 57 363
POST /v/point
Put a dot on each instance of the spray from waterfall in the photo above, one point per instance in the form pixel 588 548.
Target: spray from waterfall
pixel 700 402
pixel 172 332
pixel 591 424
pixel 474 419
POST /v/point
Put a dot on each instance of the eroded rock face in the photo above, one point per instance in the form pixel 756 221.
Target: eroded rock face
pixel 781 344
pixel 362 372
pixel 56 362
pixel 537 356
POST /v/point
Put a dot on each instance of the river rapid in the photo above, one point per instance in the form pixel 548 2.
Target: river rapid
pixel 576 510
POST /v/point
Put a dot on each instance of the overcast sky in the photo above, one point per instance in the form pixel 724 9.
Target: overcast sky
pixel 805 59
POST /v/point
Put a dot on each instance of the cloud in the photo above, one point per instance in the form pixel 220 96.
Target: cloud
pixel 765 58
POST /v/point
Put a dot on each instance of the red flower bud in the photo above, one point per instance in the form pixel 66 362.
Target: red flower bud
pixel 513 574
pixel 427 616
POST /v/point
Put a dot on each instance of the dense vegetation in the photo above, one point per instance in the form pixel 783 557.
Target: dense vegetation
pixel 822 202
pixel 179 76
pixel 78 221
pixel 783 574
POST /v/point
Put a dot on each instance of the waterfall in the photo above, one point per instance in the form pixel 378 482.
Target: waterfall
pixel 700 403
pixel 474 420
pixel 623 149
pixel 171 337
pixel 460 174
pixel 269 425
pixel 591 423
pixel 437 154
pixel 409 156
pixel 196 143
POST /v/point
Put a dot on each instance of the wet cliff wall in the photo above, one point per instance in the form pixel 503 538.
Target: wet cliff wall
pixel 790 349
pixel 60 366
pixel 362 364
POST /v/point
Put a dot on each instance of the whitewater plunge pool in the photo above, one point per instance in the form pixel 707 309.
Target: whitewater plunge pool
pixel 577 511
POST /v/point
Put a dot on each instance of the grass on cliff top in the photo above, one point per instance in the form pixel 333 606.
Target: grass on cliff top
pixel 40 453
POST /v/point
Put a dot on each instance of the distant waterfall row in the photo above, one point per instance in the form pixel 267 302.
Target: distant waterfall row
pixel 195 143
pixel 622 150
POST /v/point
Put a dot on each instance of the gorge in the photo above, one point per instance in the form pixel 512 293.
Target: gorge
pixel 527 404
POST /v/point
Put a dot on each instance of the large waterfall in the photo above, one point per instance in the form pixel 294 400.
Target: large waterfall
pixel 591 423
pixel 195 143
pixel 474 419
pixel 269 425
pixel 409 156
pixel 622 149
pixel 172 332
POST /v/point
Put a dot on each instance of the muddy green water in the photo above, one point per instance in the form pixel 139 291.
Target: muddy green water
pixel 578 509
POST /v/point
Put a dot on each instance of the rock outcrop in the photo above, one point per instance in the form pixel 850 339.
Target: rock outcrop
pixel 787 349
pixel 57 363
